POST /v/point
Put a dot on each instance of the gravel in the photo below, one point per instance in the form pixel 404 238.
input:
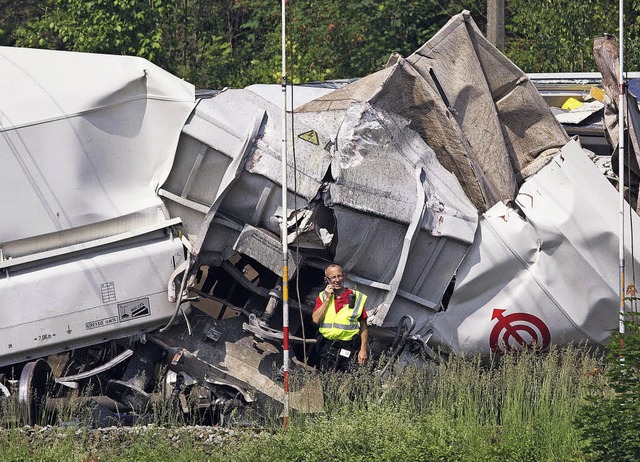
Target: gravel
pixel 118 436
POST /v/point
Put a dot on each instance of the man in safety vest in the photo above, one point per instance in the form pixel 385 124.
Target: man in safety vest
pixel 342 323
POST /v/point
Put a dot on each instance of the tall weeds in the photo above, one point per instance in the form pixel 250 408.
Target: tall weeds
pixel 520 408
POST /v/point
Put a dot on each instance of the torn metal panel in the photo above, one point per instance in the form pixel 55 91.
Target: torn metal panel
pixel 520 265
pixel 227 358
pixel 480 114
pixel 75 145
pixel 401 90
pixel 305 175
pixel 211 153
pixel 581 113
pixel 508 125
pixel 110 292
pixel 264 247
pixel 386 169
pixel 227 171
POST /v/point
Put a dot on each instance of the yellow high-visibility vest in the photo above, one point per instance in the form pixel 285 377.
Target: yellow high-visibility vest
pixel 344 324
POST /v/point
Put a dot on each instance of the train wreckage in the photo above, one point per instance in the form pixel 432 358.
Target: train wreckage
pixel 141 220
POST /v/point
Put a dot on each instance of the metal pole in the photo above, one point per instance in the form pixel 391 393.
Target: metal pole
pixel 495 23
pixel 283 226
pixel 621 123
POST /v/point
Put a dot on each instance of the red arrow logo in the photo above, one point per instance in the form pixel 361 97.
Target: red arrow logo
pixel 517 331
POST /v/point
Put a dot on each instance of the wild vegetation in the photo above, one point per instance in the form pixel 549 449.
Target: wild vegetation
pixel 522 408
pixel 234 43
pixel 610 419
pixel 568 404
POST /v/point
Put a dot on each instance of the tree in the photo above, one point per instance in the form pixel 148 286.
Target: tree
pixel 338 39
pixel 219 43
pixel 131 27
pixel 610 419
pixel 557 36
pixel 16 15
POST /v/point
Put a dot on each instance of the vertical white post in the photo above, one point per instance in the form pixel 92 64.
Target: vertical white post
pixel 283 225
pixel 621 124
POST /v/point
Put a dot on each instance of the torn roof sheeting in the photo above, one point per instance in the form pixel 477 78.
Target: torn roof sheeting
pixel 383 166
pixel 479 112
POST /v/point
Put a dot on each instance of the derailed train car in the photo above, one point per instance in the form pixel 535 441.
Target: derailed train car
pixel 141 220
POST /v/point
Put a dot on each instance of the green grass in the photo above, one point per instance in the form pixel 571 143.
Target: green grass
pixel 522 409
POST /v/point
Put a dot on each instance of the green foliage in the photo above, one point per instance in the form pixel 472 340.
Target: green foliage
pixel 338 39
pixel 219 43
pixel 611 418
pixel 460 410
pixel 238 42
pixel 15 15
pixel 203 42
pixel 130 27
pixel 557 36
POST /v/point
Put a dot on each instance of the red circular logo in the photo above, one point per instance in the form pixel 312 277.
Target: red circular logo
pixel 518 331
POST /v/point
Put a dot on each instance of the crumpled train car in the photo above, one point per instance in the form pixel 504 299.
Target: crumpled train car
pixel 141 220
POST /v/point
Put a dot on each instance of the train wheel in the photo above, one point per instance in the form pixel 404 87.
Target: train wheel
pixel 32 390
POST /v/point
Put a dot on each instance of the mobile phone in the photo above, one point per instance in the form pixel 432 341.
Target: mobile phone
pixel 327 280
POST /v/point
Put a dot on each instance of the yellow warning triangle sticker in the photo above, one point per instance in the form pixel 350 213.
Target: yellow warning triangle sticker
pixel 311 136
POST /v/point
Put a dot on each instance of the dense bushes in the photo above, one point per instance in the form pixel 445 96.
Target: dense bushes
pixel 235 43
pixel 610 422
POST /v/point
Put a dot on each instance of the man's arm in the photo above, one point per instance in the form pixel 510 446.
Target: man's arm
pixel 318 314
pixel 364 337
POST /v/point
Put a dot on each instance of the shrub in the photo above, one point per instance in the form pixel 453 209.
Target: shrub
pixel 610 419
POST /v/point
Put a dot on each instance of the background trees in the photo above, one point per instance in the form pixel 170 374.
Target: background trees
pixel 555 36
pixel 218 43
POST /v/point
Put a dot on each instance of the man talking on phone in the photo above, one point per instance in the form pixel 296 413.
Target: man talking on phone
pixel 342 323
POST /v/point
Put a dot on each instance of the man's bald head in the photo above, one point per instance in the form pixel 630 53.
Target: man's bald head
pixel 332 268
